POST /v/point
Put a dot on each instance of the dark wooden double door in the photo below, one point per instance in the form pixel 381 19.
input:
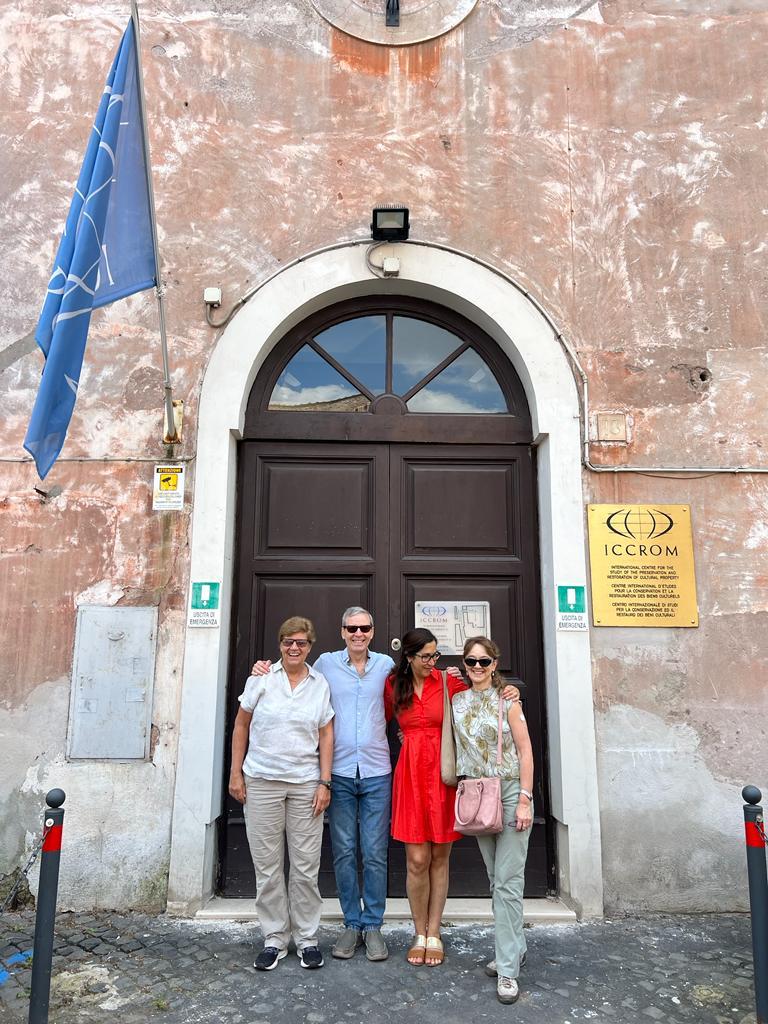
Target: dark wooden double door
pixel 323 526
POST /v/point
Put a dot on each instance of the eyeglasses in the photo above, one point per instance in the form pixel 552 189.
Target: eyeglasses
pixel 482 662
pixel 426 658
pixel 356 629
pixel 301 644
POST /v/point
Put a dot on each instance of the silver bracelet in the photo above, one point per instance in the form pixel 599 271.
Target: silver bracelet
pixel 525 792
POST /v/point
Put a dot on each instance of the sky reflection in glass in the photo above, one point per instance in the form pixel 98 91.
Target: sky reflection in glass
pixel 308 381
pixel 466 386
pixel 360 346
pixel 417 348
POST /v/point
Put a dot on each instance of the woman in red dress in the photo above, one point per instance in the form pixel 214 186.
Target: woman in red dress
pixel 422 805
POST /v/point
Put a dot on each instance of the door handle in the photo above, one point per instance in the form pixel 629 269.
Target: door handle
pixel 395 644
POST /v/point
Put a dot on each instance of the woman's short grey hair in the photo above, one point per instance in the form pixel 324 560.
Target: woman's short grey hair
pixel 354 610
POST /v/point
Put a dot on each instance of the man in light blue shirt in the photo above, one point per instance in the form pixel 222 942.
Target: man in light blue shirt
pixel 359 812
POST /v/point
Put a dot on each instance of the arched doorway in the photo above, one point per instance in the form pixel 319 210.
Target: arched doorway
pixel 387 459
pixel 527 338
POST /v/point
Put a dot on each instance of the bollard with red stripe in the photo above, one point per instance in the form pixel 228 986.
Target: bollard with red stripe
pixel 45 913
pixel 754 826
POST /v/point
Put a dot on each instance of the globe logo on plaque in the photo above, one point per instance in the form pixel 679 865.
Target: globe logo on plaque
pixel 640 523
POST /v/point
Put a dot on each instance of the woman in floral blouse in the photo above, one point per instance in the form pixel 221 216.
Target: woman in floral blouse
pixel 476 725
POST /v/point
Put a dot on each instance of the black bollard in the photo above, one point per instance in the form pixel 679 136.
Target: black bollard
pixel 754 826
pixel 45 914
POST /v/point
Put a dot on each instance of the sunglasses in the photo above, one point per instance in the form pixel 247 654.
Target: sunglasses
pixel 426 658
pixel 482 662
pixel 358 629
pixel 301 644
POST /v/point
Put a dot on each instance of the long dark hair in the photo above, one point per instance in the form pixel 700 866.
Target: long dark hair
pixel 402 688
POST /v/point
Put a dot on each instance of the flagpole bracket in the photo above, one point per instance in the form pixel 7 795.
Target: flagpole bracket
pixel 174 436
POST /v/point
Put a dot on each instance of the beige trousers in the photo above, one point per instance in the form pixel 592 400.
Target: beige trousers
pixel 274 812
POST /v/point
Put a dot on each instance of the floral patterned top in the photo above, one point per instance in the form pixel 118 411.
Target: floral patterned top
pixel 475 727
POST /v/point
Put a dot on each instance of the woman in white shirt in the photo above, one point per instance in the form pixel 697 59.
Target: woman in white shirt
pixel 282 749
pixel 476 727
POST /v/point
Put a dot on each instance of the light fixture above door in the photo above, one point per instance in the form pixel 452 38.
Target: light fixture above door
pixel 389 223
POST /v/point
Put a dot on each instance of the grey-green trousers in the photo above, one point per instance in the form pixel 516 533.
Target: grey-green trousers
pixel 504 855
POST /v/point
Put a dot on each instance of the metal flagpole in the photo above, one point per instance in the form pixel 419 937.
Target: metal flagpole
pixel 172 436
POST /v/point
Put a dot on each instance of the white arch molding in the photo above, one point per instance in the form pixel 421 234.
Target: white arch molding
pixel 500 309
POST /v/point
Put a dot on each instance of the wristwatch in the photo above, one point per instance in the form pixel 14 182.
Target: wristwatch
pixel 325 782
pixel 526 792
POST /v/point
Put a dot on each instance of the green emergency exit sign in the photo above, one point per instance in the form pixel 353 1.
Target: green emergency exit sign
pixel 205 595
pixel 571 599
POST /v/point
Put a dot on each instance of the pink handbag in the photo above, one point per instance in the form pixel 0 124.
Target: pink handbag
pixel 478 809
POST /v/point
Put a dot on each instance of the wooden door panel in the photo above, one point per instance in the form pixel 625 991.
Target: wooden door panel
pixel 462 507
pixel 316 507
pixel 321 598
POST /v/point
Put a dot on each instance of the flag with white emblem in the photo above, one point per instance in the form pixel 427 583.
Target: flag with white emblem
pixel 106 252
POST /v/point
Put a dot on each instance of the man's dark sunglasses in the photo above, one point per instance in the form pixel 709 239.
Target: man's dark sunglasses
pixel 362 629
pixel 482 662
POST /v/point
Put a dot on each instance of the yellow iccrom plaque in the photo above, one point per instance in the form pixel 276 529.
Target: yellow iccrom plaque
pixel 641 564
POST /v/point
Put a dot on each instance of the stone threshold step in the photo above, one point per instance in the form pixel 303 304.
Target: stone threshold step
pixel 539 911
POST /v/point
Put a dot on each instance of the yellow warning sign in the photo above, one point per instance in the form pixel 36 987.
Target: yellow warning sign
pixel 168 489
pixel 641 564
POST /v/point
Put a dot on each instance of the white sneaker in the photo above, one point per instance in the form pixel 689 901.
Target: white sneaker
pixel 507 990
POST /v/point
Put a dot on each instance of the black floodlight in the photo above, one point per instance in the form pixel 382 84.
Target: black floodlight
pixel 389 223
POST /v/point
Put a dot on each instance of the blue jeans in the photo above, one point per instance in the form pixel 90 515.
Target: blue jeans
pixel 358 816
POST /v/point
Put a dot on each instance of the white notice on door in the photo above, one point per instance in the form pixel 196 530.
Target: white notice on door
pixel 453 621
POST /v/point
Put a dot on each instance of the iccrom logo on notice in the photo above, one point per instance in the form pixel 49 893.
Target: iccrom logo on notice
pixel 639 523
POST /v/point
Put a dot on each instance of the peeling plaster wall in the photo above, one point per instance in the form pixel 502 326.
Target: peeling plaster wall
pixel 96 543
pixel 610 156
pixel 681 714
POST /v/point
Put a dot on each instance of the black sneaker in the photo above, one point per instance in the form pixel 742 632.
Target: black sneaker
pixel 311 958
pixel 268 958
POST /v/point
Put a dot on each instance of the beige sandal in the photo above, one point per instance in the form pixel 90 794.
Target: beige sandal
pixel 434 951
pixel 415 955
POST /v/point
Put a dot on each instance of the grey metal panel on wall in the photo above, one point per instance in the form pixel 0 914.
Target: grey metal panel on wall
pixel 112 680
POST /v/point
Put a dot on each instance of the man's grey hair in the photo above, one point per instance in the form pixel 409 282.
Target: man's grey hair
pixel 354 610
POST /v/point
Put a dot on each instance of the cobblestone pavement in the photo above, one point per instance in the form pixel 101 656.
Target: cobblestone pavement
pixel 133 968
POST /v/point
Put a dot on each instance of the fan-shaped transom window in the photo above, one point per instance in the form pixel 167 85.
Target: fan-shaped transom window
pixel 369 362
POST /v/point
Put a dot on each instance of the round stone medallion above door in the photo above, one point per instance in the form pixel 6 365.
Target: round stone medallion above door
pixel 420 20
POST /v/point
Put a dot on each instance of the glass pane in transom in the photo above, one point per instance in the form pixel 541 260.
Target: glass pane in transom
pixel 360 346
pixel 309 384
pixel 466 386
pixel 417 348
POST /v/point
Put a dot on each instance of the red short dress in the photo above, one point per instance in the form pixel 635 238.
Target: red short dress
pixel 422 805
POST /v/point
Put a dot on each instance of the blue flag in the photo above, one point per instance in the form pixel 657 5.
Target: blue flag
pixel 106 252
